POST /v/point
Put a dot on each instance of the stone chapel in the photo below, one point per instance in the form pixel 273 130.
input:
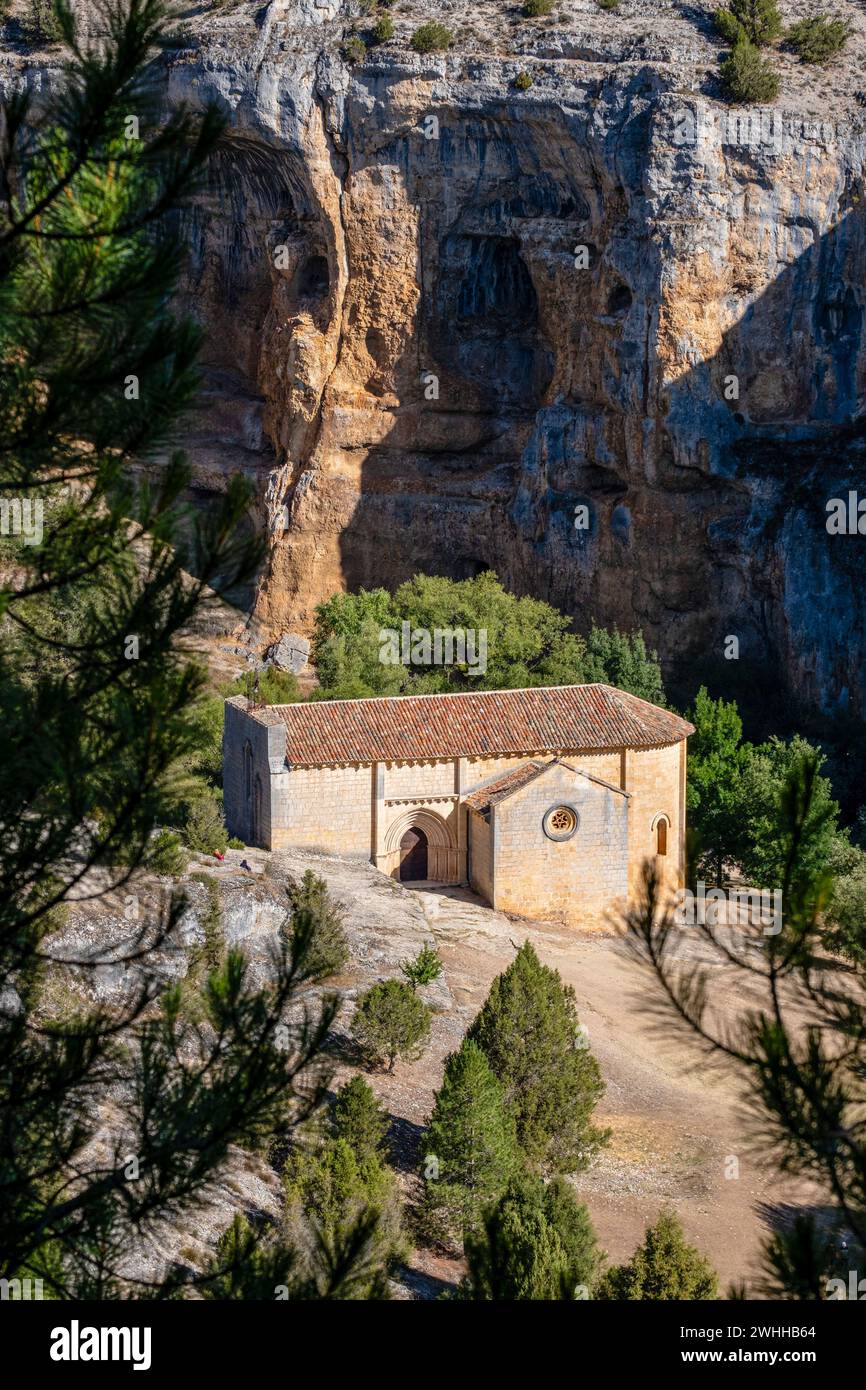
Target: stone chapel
pixel 545 801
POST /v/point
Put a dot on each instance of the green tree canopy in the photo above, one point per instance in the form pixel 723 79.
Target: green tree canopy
pixel 665 1266
pixel 391 1021
pixel 470 1148
pixel 530 1034
pixel 536 1242
pixel 528 643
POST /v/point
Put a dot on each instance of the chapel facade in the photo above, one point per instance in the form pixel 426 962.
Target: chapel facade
pixel 546 801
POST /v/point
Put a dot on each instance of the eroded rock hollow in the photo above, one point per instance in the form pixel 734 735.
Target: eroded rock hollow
pixel 444 315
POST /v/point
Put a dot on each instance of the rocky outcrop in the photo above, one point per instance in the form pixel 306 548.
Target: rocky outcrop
pixel 603 335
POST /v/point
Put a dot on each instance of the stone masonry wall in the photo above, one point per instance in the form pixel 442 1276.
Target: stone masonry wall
pixel 579 879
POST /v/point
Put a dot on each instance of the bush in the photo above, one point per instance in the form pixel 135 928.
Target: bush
pixel 757 21
pixel 470 1148
pixel 665 1267
pixel 818 39
pixel 208 720
pixel 360 1119
pixel 747 76
pixel 275 687
pixel 390 1022
pixel 529 643
pixel 424 969
pixel 39 22
pixel 383 30
pixel 537 1242
pixel 213 951
pixel 317 921
pixel 355 49
pixel 845 918
pixel 328 1191
pixel 533 9
pixel 166 854
pixel 530 1034
pixel 429 37
pixel 203 828
pixel 523 82
pixel 607 4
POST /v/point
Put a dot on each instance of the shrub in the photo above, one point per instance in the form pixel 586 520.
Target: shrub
pixel 749 77
pixel 355 49
pixel 530 1033
pixel 166 854
pixel 317 922
pixel 383 29
pixel 818 39
pixel 424 969
pixel 664 1267
pixel 203 828
pixel 470 1146
pixel 213 951
pixel 330 1190
pixel 523 81
pixel 758 21
pixel 390 1022
pixel 533 9
pixel 235 843
pixel 360 1119
pixel 845 917
pixel 274 687
pixel 607 4
pixel 429 37
pixel 39 22
pixel 537 1242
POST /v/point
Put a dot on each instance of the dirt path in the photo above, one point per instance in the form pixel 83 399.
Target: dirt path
pixel 678 1125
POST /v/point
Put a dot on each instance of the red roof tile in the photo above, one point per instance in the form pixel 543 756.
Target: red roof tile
pixel 472 724
pixel 501 787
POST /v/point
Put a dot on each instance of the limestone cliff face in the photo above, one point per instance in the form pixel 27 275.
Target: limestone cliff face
pixel 412 355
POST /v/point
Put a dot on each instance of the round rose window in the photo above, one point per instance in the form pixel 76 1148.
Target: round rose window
pixel 560 823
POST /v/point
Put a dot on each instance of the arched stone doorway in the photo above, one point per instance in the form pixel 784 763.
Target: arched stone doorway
pixel 433 837
pixel 413 855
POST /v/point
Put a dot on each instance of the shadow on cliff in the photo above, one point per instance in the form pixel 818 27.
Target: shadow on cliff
pixel 707 496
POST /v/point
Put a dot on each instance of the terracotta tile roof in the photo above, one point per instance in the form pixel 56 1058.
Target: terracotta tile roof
pixel 472 724
pixel 507 783
pixel 500 787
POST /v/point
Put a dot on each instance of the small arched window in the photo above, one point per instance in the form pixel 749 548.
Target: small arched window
pixel 248 770
pixel 661 836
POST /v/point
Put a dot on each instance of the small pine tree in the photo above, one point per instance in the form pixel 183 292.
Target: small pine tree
pixel 818 39
pixel 747 76
pixel 360 1119
pixel 534 9
pixel 166 854
pixel 203 828
pixel 270 686
pixel 383 29
pixel 537 1242
pixel 470 1148
pixel 758 21
pixel 354 49
pixel 424 969
pixel 665 1267
pixel 318 921
pixel 430 37
pixel 40 23
pixel 530 1033
pixel 390 1022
